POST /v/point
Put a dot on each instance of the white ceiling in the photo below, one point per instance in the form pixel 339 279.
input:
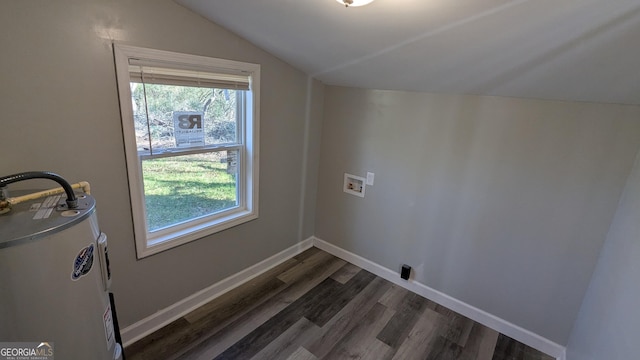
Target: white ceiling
pixel 584 50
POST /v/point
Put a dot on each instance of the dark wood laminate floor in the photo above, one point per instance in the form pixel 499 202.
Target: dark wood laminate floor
pixel 317 306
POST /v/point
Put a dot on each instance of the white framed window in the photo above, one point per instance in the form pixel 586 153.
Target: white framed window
pixel 190 125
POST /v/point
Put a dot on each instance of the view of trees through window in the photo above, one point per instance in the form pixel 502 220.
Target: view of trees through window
pixel 182 185
pixel 218 105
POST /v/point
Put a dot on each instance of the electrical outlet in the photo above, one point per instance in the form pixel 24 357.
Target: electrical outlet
pixel 405 272
pixel 370 177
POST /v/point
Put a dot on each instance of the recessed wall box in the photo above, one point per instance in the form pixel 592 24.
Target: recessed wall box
pixel 354 185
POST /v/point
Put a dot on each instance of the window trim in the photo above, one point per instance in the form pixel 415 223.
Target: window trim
pixel 248 176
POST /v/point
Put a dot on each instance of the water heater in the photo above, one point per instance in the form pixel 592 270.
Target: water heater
pixel 54 273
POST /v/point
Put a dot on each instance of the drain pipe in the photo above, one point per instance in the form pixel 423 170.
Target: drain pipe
pixel 72 201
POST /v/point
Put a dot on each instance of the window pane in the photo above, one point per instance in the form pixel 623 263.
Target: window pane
pixel 181 188
pixel 164 103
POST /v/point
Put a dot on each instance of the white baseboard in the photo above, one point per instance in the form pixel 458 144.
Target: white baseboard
pixel 563 356
pixel 148 325
pixel 513 331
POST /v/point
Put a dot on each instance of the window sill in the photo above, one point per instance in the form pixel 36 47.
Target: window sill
pixel 194 232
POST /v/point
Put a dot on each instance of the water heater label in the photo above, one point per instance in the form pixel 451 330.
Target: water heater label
pixel 83 263
pixel 47 207
pixel 108 327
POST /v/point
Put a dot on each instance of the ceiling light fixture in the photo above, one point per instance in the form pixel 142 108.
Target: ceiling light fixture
pixel 349 3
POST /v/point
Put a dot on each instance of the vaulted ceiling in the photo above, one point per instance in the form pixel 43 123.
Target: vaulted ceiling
pixel 577 50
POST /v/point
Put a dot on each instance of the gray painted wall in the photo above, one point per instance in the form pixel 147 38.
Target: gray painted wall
pixel 60 112
pixel 608 322
pixel 502 203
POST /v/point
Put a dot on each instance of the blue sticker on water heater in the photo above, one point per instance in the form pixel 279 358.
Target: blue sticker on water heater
pixel 83 263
